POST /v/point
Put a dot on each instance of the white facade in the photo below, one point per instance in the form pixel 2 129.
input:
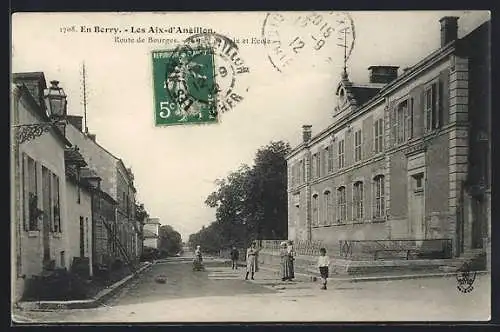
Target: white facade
pixel 79 202
pixel 39 174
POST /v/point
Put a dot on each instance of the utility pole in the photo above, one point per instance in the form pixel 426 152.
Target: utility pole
pixel 84 83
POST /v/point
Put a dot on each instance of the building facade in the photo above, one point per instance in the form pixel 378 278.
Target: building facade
pixel 79 202
pixel 406 157
pixel 39 214
pixel 151 232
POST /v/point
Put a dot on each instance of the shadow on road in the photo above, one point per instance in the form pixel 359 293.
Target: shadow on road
pixel 183 282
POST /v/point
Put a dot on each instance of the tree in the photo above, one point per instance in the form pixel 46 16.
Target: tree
pixel 170 240
pixel 251 203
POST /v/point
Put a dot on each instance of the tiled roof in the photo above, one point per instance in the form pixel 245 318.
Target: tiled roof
pixel 74 157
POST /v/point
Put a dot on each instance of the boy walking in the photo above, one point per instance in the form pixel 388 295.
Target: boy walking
pixel 323 264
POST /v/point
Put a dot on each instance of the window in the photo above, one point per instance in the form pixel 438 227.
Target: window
pixel 47 198
pixel 31 195
pixel 341 154
pixel 318 164
pixel 432 107
pixel 330 159
pixel 303 171
pixel 379 206
pixel 341 205
pixel 326 161
pixel 409 120
pixel 402 112
pixel 315 210
pixel 418 182
pixel 379 135
pixel 357 145
pixel 357 199
pixel 313 166
pixel 328 208
pixel 56 204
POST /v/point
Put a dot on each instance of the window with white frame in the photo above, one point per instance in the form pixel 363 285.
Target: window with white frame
pixel 330 158
pixel 341 205
pixel 378 195
pixel 313 166
pixel 328 213
pixel 341 155
pixel 402 111
pixel 357 145
pixel 315 210
pixel 302 171
pixel 432 110
pixel 318 164
pixel 379 135
pixel 357 198
pixel 30 194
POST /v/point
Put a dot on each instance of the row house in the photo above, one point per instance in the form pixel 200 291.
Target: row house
pixel 64 194
pixel 39 211
pixel 406 157
pixel 115 230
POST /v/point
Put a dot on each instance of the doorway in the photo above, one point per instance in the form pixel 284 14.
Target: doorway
pixel 416 201
pixel 82 237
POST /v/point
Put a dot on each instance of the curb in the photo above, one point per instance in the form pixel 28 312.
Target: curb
pixel 312 277
pixel 94 302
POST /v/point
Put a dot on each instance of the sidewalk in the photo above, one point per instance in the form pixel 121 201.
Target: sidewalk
pixel 94 302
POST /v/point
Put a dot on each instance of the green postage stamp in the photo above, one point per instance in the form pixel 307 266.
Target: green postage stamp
pixel 184 84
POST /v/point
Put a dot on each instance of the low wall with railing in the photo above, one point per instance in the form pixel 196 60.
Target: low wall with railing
pixel 351 255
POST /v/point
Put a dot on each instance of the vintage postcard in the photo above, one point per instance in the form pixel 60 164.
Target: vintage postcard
pixel 324 166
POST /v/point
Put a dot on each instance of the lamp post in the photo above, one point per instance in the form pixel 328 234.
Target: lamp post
pixel 56 105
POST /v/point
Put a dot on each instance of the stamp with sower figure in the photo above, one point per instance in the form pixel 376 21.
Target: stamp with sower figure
pixel 198 80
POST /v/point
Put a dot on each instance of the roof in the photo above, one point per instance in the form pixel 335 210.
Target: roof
pixel 146 233
pixel 370 93
pixel 74 157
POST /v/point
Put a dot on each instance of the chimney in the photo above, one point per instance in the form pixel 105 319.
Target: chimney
pixel 383 74
pixel 449 29
pixel 306 133
pixel 75 120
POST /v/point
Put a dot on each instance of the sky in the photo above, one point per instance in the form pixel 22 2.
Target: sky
pixel 175 166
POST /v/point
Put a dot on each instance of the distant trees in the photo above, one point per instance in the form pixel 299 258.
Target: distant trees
pixel 170 242
pixel 250 203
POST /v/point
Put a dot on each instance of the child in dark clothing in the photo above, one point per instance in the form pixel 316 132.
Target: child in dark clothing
pixel 235 255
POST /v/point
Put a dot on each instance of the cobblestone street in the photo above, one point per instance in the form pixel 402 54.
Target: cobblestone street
pixel 221 294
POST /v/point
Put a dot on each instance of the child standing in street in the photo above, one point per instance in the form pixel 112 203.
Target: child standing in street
pixel 323 264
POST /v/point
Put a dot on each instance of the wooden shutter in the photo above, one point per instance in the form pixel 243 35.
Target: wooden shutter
pixel 393 123
pixel 417 94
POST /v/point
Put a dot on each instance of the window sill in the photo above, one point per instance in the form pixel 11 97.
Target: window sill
pixel 33 233
pixel 378 220
pixel 57 235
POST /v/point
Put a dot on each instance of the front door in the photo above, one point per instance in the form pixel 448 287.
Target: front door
pixel 477 223
pixel 416 207
pixel 82 237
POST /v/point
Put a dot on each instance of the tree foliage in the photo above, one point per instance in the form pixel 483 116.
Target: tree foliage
pixel 250 203
pixel 170 240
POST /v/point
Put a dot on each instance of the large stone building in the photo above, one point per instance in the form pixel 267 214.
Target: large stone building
pixel 406 157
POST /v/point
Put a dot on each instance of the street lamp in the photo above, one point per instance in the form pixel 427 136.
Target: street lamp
pixel 56 105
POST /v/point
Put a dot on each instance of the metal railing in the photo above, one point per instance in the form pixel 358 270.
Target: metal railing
pixel 369 249
pixel 395 249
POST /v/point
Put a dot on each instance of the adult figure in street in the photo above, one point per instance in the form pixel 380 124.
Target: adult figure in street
pixel 286 267
pixel 198 259
pixel 252 255
pixel 291 259
pixel 235 255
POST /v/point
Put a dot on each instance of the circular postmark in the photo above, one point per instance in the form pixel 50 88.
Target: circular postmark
pixel 465 278
pixel 299 40
pixel 229 68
